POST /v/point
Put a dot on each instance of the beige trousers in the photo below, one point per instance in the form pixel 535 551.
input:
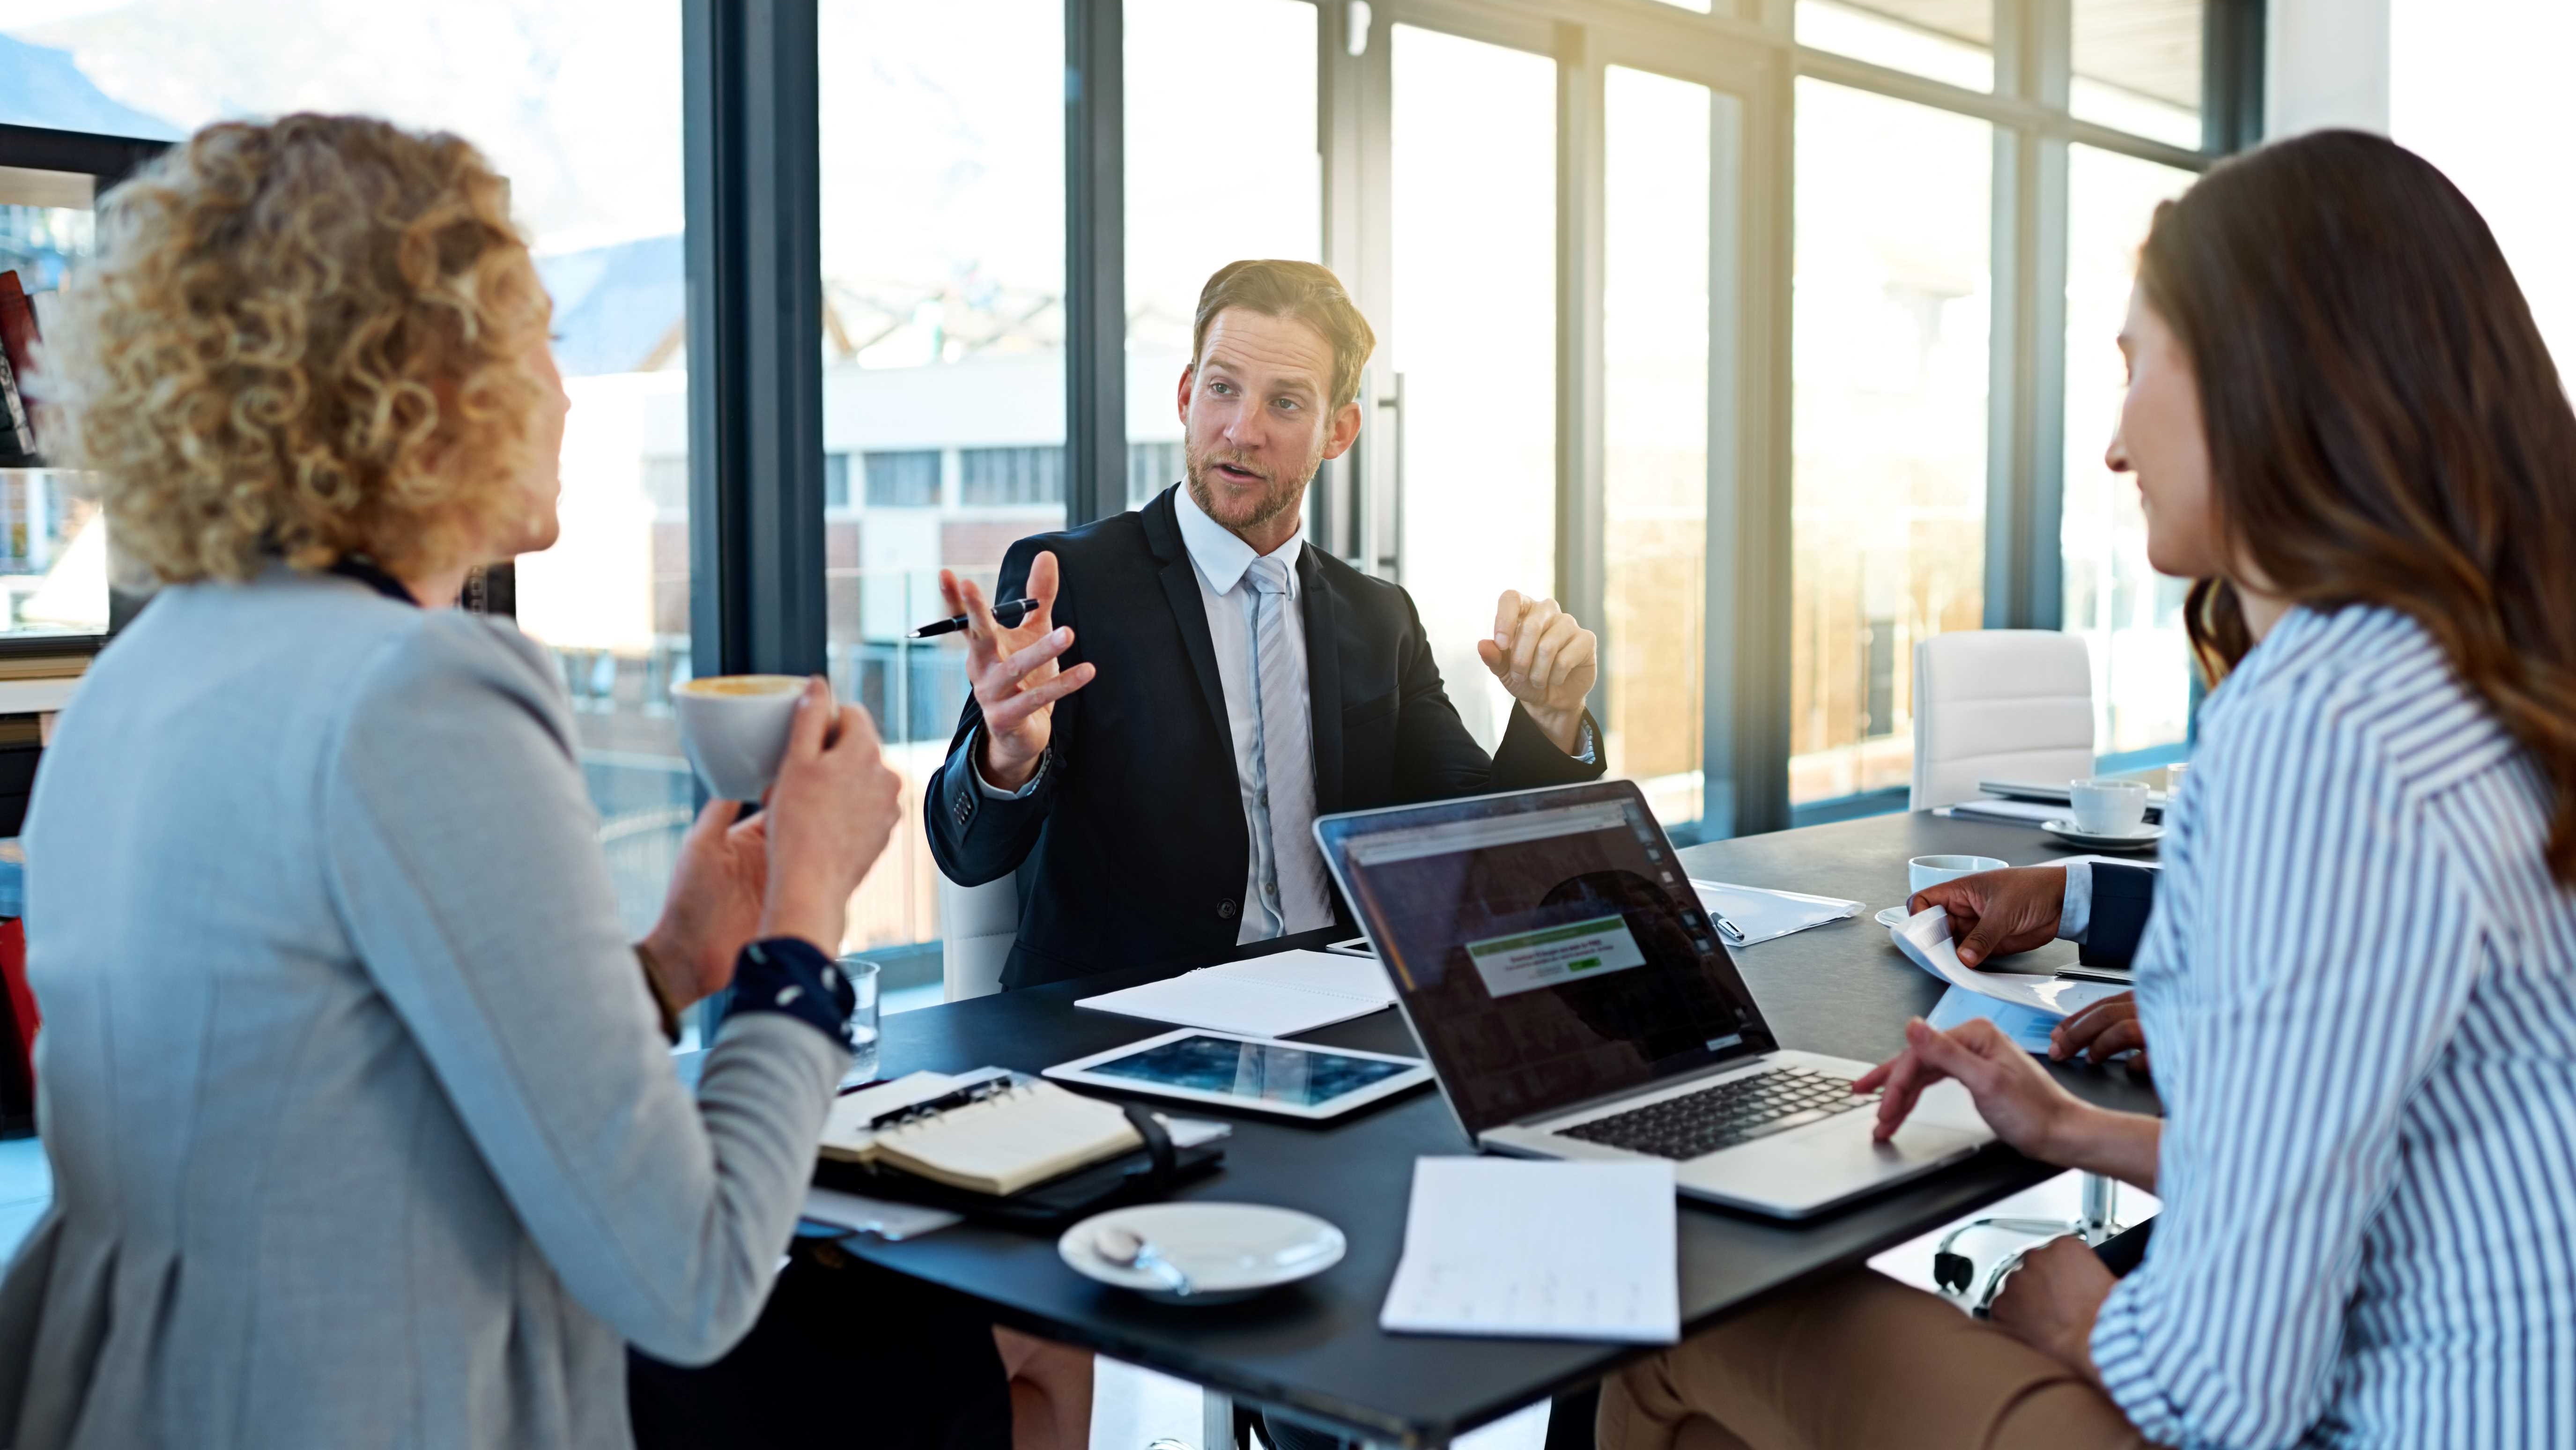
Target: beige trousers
pixel 1862 1362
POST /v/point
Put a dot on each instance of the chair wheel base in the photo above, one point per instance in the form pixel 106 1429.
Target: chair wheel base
pixel 1954 1272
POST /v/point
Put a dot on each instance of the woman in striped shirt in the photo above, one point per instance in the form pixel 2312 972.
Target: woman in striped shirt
pixel 2360 975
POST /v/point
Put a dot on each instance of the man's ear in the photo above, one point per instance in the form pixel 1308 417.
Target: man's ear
pixel 1189 379
pixel 1346 430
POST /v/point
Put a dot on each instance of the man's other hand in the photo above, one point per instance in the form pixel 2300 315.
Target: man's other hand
pixel 1014 673
pixel 1546 660
pixel 1994 913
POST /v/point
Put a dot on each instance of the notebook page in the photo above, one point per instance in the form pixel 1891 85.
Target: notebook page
pixel 1544 1250
pixel 1007 1142
pixel 1359 978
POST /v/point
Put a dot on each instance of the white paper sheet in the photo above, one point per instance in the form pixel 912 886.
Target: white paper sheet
pixel 893 1222
pixel 1925 937
pixel 1499 1246
pixel 1763 914
pixel 1273 996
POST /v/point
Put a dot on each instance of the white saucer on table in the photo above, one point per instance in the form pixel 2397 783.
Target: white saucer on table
pixel 2137 840
pixel 1229 1251
pixel 1890 917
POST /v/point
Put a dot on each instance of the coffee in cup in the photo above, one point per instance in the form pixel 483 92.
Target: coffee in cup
pixel 2108 807
pixel 1925 871
pixel 735 727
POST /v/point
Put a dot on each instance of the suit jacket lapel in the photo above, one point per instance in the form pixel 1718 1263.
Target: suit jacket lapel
pixel 1181 589
pixel 1322 614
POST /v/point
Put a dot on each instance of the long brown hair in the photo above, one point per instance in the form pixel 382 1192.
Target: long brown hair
pixel 2385 425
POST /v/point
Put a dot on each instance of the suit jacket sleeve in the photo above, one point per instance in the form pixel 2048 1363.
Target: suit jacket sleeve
pixel 976 837
pixel 2122 898
pixel 1435 756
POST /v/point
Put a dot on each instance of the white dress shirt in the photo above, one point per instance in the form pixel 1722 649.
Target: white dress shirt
pixel 1219 558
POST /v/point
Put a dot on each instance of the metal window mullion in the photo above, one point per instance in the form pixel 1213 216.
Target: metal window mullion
pixel 1095 261
pixel 2231 87
pixel 1582 503
pixel 754 267
pixel 1745 740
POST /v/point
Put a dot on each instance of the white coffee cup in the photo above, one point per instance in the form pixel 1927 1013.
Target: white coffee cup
pixel 735 728
pixel 1925 871
pixel 2108 807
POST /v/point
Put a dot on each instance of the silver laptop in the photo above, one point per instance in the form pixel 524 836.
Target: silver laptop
pixel 1576 1002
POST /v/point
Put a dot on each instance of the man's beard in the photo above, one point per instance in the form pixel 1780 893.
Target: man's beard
pixel 1279 498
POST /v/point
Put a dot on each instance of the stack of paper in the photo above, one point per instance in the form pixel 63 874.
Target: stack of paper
pixel 1925 937
pixel 1762 914
pixel 1272 996
pixel 1539 1250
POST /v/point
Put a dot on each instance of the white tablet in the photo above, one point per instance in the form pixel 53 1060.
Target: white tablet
pixel 1255 1074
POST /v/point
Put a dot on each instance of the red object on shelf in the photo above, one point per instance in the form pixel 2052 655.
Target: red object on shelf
pixel 17 327
pixel 18 1070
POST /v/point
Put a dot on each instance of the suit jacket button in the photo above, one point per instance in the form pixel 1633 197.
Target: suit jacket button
pixel 1225 910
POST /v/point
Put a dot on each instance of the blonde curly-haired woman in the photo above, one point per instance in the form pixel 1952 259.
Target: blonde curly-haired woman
pixel 362 1123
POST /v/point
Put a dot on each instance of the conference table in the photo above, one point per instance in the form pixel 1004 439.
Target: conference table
pixel 1314 1349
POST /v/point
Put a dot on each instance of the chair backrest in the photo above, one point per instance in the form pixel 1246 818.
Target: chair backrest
pixel 977 925
pixel 1999 704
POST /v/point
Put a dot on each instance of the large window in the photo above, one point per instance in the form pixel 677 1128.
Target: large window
pixel 578 103
pixel 1947 40
pixel 1221 166
pixel 1655 347
pixel 942 133
pixel 2129 615
pixel 1892 303
pixel 1474 132
pixel 2137 67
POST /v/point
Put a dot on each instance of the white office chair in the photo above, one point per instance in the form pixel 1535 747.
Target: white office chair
pixel 2004 704
pixel 977 925
pixel 1999 704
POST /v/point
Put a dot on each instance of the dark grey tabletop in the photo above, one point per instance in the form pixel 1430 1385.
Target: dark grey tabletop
pixel 1315 1347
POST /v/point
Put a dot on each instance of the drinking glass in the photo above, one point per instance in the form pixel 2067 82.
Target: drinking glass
pixel 862 975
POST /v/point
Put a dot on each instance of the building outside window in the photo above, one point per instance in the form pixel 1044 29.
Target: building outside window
pixel 578 103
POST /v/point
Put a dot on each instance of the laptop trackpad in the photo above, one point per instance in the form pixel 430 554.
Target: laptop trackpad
pixel 1832 1159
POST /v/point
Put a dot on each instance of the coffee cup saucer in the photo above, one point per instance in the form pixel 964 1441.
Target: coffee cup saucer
pixel 2136 840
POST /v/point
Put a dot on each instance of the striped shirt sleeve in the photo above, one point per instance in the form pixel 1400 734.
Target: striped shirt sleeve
pixel 2332 949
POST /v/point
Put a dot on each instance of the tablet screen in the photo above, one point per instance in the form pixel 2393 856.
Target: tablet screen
pixel 1263 1071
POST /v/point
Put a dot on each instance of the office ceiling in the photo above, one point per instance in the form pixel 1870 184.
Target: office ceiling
pixel 2151 47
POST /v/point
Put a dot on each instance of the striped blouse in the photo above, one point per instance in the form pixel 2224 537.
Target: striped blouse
pixel 2360 985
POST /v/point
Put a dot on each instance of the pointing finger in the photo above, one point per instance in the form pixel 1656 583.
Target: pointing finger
pixel 1507 618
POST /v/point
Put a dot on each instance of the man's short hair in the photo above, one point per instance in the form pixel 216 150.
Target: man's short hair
pixel 1301 291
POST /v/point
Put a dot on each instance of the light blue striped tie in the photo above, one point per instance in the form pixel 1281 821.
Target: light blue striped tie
pixel 1290 870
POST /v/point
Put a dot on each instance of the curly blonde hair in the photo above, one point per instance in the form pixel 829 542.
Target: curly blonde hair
pixel 302 340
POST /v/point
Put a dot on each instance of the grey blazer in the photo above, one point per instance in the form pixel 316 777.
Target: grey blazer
pixel 362 1126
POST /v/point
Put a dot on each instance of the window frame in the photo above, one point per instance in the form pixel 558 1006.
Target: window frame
pixel 755 306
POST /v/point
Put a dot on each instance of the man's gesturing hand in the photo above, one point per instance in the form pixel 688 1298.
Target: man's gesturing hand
pixel 1546 660
pixel 1014 673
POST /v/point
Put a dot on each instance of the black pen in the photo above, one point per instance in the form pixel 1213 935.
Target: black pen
pixel 1006 614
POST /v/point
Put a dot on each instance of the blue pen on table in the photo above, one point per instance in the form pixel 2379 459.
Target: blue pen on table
pixel 1007 614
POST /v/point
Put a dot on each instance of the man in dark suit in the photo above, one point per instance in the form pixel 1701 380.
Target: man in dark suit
pixel 1152 744
pixel 2101 906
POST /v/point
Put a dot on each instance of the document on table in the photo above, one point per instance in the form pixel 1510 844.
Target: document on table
pixel 1763 914
pixel 1925 937
pixel 1507 1247
pixel 2028 1027
pixel 1272 996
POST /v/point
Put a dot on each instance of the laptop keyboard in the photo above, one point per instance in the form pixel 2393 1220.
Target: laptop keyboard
pixel 1736 1111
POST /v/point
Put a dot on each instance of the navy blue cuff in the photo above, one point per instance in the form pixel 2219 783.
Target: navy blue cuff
pixel 791 975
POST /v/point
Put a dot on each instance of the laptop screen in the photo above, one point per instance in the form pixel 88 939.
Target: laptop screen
pixel 1548 946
